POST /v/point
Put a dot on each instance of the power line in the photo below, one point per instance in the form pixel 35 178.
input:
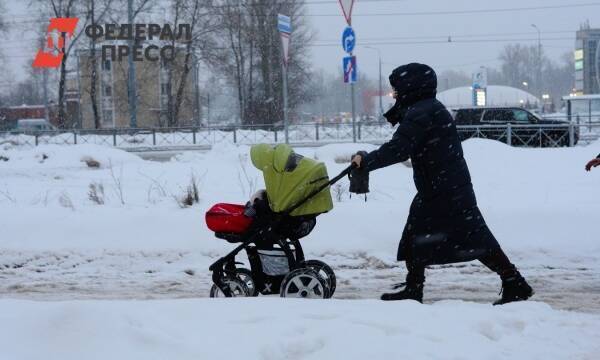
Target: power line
pixel 447 42
pixel 440 38
pixel 446 36
pixel 416 13
pixel 474 11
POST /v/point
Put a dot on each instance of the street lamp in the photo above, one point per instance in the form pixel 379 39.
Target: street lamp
pixel 380 84
pixel 539 57
pixel 525 83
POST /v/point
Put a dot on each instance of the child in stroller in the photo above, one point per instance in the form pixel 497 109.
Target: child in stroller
pixel 270 226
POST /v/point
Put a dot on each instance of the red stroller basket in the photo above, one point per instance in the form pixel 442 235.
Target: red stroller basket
pixel 228 218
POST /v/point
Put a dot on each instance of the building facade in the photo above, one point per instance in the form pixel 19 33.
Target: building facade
pixel 587 61
pixel 158 83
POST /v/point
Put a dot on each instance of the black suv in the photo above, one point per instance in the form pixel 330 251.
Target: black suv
pixel 491 122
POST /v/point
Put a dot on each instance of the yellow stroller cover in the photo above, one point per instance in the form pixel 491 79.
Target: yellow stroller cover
pixel 291 178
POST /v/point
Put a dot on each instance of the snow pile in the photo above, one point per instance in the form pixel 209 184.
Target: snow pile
pixel 535 200
pixel 292 329
pixel 64 156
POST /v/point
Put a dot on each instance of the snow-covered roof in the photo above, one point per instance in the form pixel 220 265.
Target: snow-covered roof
pixel 582 97
pixel 496 96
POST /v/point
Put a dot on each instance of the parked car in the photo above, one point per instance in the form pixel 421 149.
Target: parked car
pixel 34 125
pixel 491 123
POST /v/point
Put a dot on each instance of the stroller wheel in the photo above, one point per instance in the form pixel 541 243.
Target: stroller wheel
pixel 325 271
pixel 304 283
pixel 245 276
pixel 238 289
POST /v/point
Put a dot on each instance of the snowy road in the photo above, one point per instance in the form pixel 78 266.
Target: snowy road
pixel 574 285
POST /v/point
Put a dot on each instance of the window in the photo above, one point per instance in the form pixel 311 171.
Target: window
pixel 107 90
pixel 468 116
pixel 498 115
pixel 106 65
pixel 107 117
pixel 520 115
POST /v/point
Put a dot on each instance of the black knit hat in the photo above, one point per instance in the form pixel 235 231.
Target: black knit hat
pixel 413 82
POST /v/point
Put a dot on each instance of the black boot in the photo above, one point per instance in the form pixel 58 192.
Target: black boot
pixel 514 288
pixel 413 290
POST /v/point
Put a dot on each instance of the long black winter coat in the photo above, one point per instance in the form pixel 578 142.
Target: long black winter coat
pixel 444 224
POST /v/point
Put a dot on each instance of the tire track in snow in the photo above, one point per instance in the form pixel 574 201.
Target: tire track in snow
pixel 575 285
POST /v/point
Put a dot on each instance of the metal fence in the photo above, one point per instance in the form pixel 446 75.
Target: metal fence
pixel 299 134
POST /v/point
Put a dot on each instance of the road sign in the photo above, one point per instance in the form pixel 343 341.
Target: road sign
pixel 284 25
pixel 347 10
pixel 480 78
pixel 348 40
pixel 350 69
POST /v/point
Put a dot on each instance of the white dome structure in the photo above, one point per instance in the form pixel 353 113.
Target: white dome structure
pixel 496 96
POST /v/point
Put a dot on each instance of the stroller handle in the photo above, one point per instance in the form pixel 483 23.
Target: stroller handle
pixel 337 178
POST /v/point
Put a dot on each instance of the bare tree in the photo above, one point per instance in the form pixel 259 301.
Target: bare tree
pixel 201 24
pixel 97 10
pixel 519 66
pixel 449 79
pixel 64 9
pixel 249 56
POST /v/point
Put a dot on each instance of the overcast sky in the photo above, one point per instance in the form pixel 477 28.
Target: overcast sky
pixel 553 24
pixel 558 28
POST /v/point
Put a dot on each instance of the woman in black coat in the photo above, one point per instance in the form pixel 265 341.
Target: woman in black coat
pixel 444 224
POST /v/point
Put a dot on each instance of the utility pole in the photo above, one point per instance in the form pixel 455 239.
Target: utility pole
pixel 598 65
pixel 539 60
pixel 45 85
pixel 285 104
pixel 208 110
pixel 45 80
pixel 380 82
pixel 353 112
pixel 131 82
pixel 284 25
pixel 380 91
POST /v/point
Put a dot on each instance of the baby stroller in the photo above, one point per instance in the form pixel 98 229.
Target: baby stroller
pixel 269 228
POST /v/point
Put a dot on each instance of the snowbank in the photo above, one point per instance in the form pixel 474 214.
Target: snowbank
pixel 64 156
pixel 292 329
pixel 535 200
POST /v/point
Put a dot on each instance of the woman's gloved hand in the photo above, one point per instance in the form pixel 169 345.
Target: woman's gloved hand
pixel 593 163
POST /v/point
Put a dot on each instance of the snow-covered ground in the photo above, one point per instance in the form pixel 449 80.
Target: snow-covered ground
pixel 57 244
pixel 274 329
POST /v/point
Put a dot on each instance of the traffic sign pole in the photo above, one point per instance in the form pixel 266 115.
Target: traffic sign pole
pixel 348 43
pixel 353 112
pixel 285 103
pixel 285 29
pixel 349 64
